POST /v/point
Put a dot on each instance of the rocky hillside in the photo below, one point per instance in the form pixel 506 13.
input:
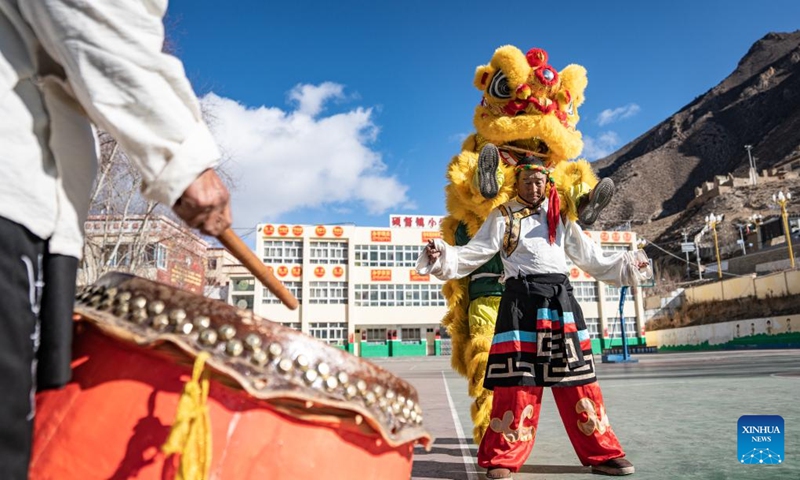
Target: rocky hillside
pixel 757 104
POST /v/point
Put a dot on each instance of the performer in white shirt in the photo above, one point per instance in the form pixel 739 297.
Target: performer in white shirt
pixel 65 65
pixel 540 337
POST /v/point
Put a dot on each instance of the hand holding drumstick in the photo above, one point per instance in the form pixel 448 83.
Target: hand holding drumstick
pixel 205 205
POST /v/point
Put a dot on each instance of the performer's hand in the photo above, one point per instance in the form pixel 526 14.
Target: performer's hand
pixel 205 205
pixel 642 264
pixel 432 252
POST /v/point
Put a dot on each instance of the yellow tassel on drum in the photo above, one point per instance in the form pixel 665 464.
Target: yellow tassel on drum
pixel 190 435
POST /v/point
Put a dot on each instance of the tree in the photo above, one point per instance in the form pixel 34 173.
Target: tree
pixel 126 232
pixel 130 233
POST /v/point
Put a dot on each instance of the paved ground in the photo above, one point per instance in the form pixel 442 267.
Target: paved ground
pixel 675 414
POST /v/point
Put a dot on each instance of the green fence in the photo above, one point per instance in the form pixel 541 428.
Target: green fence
pixel 600 344
pixel 617 342
pixel 374 349
pixel 408 349
pixel 396 348
pixel 762 340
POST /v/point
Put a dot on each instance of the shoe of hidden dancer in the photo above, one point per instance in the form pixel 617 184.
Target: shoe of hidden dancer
pixel 599 198
pixel 615 467
pixel 498 474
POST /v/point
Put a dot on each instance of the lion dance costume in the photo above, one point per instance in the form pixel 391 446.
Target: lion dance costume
pixel 528 108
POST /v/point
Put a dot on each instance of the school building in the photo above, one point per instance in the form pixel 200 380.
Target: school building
pixel 358 289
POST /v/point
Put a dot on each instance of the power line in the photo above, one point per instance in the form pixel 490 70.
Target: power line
pixel 690 264
pixel 666 251
pixel 245 231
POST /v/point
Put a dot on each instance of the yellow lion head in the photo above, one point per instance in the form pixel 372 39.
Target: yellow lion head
pixel 529 105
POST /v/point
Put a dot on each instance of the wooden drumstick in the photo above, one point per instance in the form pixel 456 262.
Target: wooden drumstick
pixel 242 252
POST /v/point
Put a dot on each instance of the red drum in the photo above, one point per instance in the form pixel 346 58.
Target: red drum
pixel 281 405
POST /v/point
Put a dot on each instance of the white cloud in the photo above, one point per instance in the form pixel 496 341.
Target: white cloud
pixel 287 160
pixel 310 98
pixel 610 116
pixel 602 146
pixel 457 137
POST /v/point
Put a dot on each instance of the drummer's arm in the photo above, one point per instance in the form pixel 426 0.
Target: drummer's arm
pixel 111 54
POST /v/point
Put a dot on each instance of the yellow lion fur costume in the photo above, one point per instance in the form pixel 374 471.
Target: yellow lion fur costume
pixel 528 108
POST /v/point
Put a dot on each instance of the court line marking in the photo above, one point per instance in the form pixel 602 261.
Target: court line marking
pixel 791 377
pixel 466 456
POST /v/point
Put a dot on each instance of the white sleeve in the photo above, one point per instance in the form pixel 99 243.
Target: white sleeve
pixel 112 58
pixel 617 269
pixel 458 262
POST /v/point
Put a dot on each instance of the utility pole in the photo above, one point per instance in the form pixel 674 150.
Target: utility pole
pixel 782 200
pixel 712 221
pixel 741 227
pixel 697 251
pixel 686 250
pixel 753 172
pixel 757 219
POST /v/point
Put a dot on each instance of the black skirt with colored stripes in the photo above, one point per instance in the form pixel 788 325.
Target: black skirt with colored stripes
pixel 540 336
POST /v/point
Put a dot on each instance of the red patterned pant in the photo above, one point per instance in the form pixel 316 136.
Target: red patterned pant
pixel 515 417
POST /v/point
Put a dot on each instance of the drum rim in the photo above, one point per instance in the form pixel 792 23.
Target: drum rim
pixel 300 373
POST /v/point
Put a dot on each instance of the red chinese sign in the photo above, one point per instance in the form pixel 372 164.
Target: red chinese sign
pixel 269 230
pixel 381 235
pixel 416 277
pixel 320 231
pixel 415 221
pixel 283 230
pixel 430 236
pixel 382 275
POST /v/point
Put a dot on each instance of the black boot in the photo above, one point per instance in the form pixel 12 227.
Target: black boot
pixel 487 171
pixel 590 206
pixel 616 467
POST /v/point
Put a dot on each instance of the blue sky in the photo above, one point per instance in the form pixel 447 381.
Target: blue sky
pixel 348 111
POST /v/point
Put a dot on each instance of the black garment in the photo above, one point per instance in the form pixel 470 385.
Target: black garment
pixel 58 302
pixel 25 268
pixel 540 337
pixel 21 259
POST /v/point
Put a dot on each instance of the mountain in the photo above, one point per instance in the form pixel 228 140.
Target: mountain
pixel 657 173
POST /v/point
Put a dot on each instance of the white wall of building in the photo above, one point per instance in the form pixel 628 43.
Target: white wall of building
pixel 382 289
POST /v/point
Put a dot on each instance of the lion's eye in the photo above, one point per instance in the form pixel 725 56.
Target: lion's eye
pixel 499 87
